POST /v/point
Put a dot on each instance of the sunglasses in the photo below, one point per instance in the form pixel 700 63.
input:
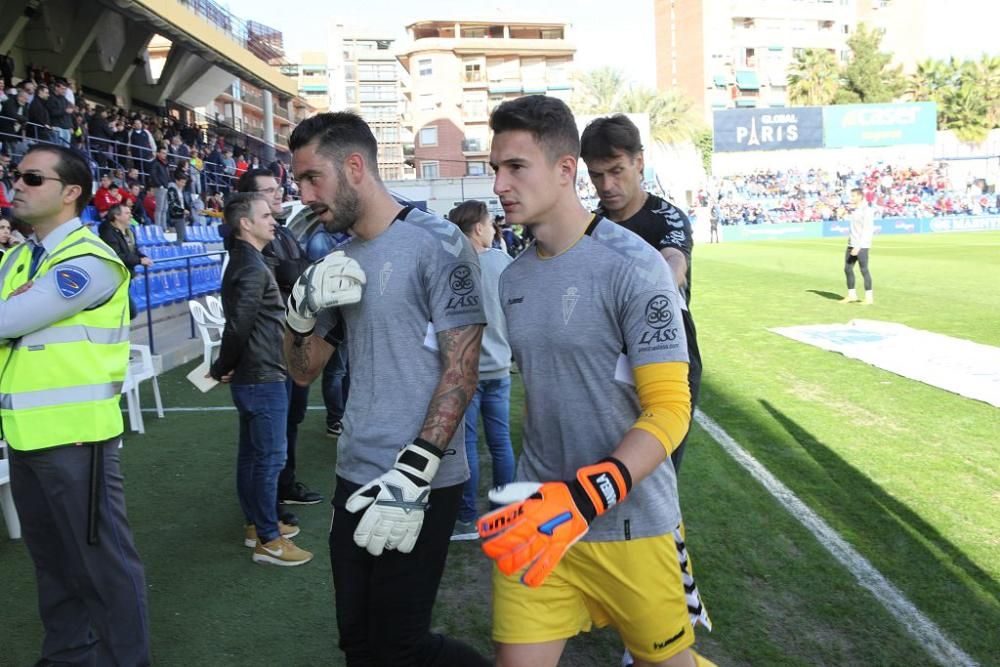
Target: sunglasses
pixel 32 179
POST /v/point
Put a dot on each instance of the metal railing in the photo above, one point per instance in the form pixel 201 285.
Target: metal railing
pixel 191 295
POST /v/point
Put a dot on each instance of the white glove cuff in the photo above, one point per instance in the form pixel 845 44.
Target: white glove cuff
pixel 299 324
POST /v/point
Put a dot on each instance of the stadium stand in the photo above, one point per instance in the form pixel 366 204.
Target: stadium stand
pixel 925 191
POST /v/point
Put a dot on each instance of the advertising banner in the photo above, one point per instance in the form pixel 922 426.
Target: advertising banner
pixel 854 125
pixel 882 226
pixel 774 129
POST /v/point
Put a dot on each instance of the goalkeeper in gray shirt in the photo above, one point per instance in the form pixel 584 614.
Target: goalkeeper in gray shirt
pixel 405 292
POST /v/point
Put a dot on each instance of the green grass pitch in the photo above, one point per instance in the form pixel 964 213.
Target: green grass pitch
pixel 908 474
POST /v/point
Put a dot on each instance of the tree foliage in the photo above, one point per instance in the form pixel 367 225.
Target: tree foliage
pixel 813 78
pixel 867 78
pixel 672 116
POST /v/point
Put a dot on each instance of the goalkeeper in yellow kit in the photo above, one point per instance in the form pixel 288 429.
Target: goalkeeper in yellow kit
pixel 595 326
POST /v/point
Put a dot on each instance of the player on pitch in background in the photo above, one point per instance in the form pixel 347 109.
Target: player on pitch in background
pixel 595 325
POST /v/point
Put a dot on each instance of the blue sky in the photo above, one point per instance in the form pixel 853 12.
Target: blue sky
pixel 605 33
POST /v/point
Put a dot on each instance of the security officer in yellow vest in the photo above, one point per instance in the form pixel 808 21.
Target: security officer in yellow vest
pixel 63 354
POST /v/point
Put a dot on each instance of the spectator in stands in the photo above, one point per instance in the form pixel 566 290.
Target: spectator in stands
pixel 213 169
pixel 178 214
pixel 107 195
pixel 116 231
pixel 160 177
pixel 140 145
pixel 13 117
pixel 101 135
pixel 197 167
pixel 132 177
pixel 7 239
pixel 178 151
pixel 228 170
pixel 241 166
pixel 251 360
pixel 60 112
pixel 38 115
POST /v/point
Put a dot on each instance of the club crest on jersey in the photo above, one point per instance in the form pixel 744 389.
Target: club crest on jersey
pixel 569 300
pixel 383 277
pixel 71 280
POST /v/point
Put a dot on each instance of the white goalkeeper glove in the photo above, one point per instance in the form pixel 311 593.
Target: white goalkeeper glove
pixel 335 280
pixel 396 501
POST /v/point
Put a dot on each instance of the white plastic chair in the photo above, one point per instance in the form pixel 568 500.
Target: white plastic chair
pixel 7 498
pixel 215 308
pixel 209 328
pixel 140 368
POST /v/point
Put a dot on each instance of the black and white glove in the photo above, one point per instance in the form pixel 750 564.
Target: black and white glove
pixel 335 280
pixel 396 500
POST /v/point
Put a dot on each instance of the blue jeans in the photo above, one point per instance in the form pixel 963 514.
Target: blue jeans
pixel 492 399
pixel 336 385
pixel 263 412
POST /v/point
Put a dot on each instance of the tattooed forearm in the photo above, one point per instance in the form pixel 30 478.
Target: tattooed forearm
pixel 459 375
pixel 306 356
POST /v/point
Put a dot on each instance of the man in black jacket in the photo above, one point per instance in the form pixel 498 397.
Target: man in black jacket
pixel 13 116
pixel 288 261
pixel 60 112
pixel 116 231
pixel 38 115
pixel 251 360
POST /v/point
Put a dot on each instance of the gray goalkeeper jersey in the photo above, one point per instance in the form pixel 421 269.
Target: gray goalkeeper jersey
pixel 422 277
pixel 578 323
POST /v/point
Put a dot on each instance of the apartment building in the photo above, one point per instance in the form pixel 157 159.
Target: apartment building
pixel 360 72
pixel 459 70
pixel 737 53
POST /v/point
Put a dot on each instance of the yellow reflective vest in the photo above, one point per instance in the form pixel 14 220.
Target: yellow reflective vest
pixel 61 385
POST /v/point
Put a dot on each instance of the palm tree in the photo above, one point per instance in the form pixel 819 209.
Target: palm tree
pixel 813 78
pixel 965 110
pixel 928 80
pixel 599 91
pixel 987 80
pixel 672 118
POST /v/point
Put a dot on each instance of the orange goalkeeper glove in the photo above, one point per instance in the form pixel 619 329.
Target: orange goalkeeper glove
pixel 539 530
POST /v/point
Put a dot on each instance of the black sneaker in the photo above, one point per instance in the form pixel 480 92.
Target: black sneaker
pixel 288 518
pixel 300 494
pixel 335 430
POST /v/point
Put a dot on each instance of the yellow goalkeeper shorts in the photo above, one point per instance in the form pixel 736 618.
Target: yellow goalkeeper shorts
pixel 643 588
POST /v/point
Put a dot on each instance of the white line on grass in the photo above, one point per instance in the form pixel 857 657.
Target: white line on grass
pixel 922 628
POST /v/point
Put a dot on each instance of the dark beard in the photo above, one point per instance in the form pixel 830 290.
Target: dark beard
pixel 346 207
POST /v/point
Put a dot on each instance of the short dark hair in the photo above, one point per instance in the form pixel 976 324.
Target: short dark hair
pixel 248 181
pixel 467 214
pixel 179 173
pixel 548 119
pixel 71 168
pixel 113 211
pixel 858 190
pixel 338 134
pixel 603 137
pixel 239 206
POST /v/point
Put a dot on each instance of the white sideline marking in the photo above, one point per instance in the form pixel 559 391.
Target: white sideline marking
pixel 922 628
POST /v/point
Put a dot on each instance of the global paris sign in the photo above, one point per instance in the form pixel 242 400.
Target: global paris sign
pixel 767 129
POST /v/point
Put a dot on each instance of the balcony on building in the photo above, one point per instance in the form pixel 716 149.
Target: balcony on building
pixel 490 37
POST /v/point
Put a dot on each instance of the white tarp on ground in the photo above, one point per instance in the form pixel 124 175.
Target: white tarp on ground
pixel 960 366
